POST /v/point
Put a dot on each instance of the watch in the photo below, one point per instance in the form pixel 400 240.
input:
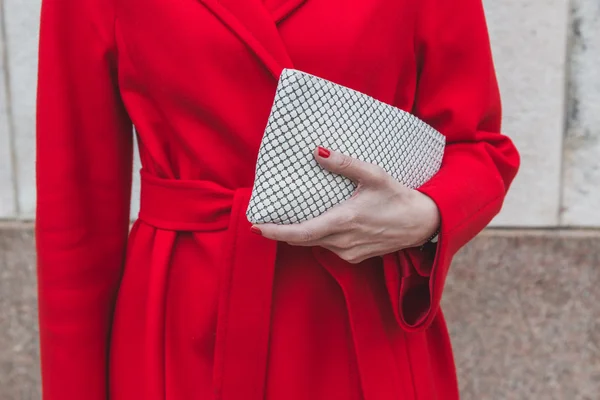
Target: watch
pixel 435 237
pixel 432 239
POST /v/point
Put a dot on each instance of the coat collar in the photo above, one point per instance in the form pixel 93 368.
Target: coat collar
pixel 281 9
pixel 255 24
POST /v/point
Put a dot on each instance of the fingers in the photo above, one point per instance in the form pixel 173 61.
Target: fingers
pixel 345 245
pixel 335 242
pixel 357 170
pixel 355 254
pixel 333 221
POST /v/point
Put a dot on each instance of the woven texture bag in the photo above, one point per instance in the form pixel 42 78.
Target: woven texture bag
pixel 307 112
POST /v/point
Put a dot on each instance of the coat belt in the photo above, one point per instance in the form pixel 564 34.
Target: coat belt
pixel 244 315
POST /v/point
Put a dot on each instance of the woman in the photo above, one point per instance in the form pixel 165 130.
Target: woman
pixel 195 305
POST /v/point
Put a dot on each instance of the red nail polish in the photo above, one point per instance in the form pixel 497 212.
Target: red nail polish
pixel 323 152
pixel 255 230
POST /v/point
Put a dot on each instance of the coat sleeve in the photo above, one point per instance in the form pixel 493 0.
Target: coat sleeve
pixel 84 165
pixel 457 93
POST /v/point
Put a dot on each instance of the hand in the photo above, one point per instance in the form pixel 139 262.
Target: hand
pixel 381 217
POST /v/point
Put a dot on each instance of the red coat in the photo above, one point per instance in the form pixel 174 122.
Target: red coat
pixel 193 306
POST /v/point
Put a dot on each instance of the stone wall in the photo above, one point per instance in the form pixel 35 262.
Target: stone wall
pixel 546 51
pixel 521 299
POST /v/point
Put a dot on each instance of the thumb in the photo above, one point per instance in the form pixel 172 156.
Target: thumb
pixel 357 170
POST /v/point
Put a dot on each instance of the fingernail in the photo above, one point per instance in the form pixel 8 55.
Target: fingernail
pixel 323 152
pixel 255 230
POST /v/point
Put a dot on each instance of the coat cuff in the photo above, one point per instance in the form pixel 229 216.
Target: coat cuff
pixel 415 277
pixel 409 279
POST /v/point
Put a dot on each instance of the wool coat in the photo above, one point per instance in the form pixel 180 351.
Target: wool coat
pixel 188 304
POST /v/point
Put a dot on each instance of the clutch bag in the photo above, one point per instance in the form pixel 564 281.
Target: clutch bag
pixel 308 111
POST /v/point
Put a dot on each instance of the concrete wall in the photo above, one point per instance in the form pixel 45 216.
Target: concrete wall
pixel 547 53
pixel 521 303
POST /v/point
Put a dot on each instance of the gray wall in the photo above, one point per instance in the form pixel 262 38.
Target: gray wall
pixel 547 54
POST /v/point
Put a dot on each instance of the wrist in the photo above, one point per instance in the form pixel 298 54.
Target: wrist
pixel 430 220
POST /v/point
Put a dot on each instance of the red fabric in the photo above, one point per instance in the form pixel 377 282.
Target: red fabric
pixel 191 305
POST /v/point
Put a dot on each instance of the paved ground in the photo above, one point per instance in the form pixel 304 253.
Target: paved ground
pixel 523 309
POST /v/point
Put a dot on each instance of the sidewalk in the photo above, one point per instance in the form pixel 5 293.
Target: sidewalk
pixel 523 308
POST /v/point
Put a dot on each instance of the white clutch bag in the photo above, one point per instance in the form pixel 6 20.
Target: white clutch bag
pixel 307 112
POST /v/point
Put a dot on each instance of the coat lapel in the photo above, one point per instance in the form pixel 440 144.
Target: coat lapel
pixel 254 25
pixel 281 9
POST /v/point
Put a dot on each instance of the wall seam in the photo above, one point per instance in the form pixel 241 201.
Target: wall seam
pixel 568 91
